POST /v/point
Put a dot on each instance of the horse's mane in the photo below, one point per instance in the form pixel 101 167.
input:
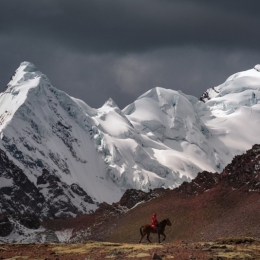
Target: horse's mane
pixel 165 220
pixel 163 223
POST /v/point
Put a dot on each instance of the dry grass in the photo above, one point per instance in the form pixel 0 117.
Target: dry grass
pixel 109 249
pixel 226 248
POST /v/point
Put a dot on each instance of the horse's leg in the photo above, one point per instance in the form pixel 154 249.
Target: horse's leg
pixel 141 238
pixel 148 235
pixel 164 236
pixel 159 237
pixel 142 234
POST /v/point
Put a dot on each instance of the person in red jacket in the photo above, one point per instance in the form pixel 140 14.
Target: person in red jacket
pixel 155 222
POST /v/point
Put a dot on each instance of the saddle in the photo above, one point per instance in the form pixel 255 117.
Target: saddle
pixel 154 227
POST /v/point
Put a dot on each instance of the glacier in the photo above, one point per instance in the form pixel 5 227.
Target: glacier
pixel 92 155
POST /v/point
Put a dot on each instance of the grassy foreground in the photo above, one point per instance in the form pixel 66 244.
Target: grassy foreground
pixel 230 248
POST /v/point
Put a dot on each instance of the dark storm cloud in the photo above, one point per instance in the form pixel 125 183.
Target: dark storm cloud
pixel 97 49
pixel 135 25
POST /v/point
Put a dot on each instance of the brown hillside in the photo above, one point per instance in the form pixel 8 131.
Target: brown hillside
pixel 208 216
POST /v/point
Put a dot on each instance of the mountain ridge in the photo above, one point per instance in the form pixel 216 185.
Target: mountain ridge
pixel 159 141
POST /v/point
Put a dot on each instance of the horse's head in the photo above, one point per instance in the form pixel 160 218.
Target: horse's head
pixel 168 222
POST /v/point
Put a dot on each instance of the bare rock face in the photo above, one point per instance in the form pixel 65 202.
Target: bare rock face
pixel 46 177
pixel 30 221
pixel 204 181
pixel 48 198
pixel 6 226
pixel 58 200
pixel 242 173
pixel 80 192
pixel 204 97
pixel 207 95
pixel 131 197
pixel 19 192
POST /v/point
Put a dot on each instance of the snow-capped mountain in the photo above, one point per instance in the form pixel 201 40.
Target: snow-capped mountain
pixel 75 156
pixel 232 113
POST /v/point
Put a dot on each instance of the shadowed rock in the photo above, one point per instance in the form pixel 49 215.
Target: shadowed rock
pixel 6 226
pixel 30 221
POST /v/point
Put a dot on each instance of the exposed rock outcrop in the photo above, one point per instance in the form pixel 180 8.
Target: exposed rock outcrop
pixel 204 181
pixel 242 173
pixel 58 200
pixel 20 196
pixel 30 221
pixel 6 226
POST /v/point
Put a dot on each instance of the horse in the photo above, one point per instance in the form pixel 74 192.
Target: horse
pixel 147 229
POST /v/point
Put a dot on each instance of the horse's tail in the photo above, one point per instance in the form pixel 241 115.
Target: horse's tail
pixel 141 232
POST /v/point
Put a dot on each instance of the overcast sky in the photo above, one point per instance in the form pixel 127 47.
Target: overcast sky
pixel 97 49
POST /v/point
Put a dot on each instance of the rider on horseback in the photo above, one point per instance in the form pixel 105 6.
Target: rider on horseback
pixel 150 228
pixel 155 222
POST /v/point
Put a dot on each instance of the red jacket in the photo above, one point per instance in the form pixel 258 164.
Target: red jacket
pixel 154 221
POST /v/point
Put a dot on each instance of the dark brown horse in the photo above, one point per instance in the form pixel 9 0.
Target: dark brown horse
pixel 147 229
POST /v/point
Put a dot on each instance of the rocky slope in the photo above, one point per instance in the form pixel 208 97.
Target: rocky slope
pixel 19 195
pixel 243 174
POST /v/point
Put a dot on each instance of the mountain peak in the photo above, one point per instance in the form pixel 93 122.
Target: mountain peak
pixel 27 67
pixel 257 67
pixel 110 103
pixel 26 71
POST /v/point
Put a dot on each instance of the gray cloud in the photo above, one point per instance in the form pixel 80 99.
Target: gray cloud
pixel 124 26
pixel 98 49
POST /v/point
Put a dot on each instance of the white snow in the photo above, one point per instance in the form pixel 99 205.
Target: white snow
pixel 232 116
pixel 4 182
pixel 65 235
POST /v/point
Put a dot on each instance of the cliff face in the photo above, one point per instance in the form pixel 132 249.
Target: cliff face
pixel 244 171
pixel 17 192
